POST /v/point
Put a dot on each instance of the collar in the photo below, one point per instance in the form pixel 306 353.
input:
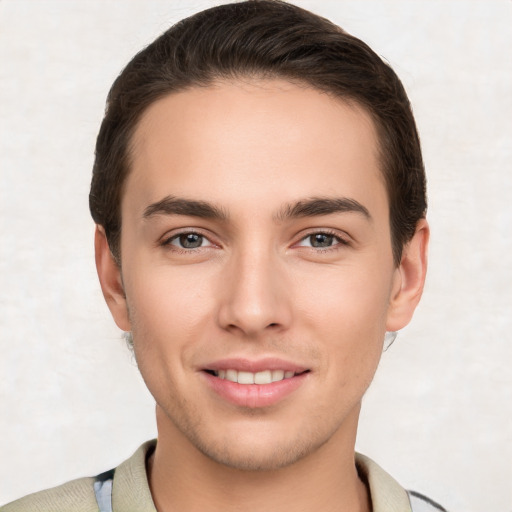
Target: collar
pixel 130 489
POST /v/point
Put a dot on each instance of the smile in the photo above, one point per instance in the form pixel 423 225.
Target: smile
pixel 261 377
pixel 255 384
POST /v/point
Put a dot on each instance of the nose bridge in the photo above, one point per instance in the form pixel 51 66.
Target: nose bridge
pixel 254 297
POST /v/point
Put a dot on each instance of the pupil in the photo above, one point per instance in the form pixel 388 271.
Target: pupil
pixel 321 240
pixel 191 241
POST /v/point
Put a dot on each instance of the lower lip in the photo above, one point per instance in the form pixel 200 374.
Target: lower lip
pixel 255 395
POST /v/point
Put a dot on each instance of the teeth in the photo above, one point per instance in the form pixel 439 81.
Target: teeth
pixel 245 378
pixel 232 375
pixel 263 377
pixel 277 375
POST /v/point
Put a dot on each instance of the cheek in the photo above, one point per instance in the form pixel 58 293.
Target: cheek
pixel 345 299
pixel 166 292
pixel 166 325
pixel 345 310
pixel 343 313
pixel 168 308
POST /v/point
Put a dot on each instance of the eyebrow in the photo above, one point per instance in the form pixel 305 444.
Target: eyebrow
pixel 178 206
pixel 315 206
pixel 318 206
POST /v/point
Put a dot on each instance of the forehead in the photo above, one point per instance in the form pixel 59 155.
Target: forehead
pixel 248 139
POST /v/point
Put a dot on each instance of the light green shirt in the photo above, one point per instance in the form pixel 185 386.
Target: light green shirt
pixel 130 490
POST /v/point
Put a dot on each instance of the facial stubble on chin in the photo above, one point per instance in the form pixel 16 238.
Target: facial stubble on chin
pixel 223 451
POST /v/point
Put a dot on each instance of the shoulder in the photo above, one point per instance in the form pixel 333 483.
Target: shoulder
pixel 77 495
pixel 387 494
pixel 128 490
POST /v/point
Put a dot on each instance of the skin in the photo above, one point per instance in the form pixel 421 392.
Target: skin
pixel 258 286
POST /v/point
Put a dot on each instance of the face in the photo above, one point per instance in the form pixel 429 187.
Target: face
pixel 257 269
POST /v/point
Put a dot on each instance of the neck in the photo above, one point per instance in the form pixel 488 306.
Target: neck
pixel 182 478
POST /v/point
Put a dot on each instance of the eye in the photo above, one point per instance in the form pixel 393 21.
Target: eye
pixel 189 241
pixel 321 240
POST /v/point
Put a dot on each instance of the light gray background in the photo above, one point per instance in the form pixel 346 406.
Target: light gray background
pixel 438 416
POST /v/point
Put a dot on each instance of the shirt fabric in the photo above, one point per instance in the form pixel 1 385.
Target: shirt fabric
pixel 126 489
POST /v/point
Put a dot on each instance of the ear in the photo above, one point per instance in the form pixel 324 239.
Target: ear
pixel 111 281
pixel 409 279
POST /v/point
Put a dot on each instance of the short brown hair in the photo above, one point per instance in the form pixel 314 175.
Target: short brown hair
pixel 269 39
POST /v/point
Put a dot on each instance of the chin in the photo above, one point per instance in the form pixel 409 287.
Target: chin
pixel 269 458
pixel 260 449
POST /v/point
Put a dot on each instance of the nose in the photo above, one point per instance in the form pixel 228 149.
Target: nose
pixel 254 296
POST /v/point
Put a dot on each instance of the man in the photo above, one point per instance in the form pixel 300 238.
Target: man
pixel 259 196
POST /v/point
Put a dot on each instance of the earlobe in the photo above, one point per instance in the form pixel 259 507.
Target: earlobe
pixel 111 282
pixel 410 279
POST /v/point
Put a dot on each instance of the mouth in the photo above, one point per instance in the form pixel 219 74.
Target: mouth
pixel 255 384
pixel 261 377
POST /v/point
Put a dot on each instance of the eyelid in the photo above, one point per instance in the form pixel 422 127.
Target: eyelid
pixel 167 239
pixel 176 238
pixel 342 238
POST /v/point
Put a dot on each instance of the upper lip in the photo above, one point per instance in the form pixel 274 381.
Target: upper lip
pixel 254 366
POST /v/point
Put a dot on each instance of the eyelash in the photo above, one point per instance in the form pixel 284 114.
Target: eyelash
pixel 166 243
pixel 340 241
